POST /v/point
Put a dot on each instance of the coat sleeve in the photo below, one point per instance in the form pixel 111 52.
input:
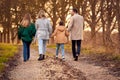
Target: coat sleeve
pixel 49 28
pixel 33 30
pixel 54 34
pixel 36 25
pixel 70 24
pixel 66 33
pixel 19 32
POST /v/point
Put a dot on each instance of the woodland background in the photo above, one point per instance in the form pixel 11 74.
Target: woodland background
pixel 102 19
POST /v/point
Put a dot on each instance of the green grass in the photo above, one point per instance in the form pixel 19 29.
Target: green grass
pixel 7 51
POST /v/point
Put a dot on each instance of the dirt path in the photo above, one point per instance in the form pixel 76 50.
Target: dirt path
pixel 52 69
pixel 90 71
pixel 49 69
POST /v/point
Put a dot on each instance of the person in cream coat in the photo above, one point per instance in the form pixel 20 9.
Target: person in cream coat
pixel 75 27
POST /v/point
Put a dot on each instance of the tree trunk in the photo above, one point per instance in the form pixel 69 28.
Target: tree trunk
pixel 109 43
pixel 8 35
pixel 103 27
pixel 118 19
pixel 0 37
pixel 8 16
pixel 93 34
pixel 4 35
pixel 93 24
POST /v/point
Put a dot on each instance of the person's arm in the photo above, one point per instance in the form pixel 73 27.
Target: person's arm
pixel 36 25
pixel 19 32
pixel 49 27
pixel 70 24
pixel 66 33
pixel 55 32
pixel 36 28
pixel 33 30
pixel 83 23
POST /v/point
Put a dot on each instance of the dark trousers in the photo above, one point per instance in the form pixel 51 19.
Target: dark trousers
pixel 26 50
pixel 76 47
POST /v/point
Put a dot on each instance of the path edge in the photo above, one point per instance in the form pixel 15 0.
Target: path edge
pixel 13 61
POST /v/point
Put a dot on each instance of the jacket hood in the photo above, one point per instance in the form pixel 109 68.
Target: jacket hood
pixel 61 28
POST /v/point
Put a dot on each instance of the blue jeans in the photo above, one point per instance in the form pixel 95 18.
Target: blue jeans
pixel 26 50
pixel 62 49
pixel 42 46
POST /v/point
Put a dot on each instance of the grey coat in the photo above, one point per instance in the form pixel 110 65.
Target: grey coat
pixel 76 27
pixel 44 28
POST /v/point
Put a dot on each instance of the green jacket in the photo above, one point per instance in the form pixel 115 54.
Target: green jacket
pixel 26 33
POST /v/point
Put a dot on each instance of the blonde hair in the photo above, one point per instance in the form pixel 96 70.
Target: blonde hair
pixel 41 14
pixel 26 20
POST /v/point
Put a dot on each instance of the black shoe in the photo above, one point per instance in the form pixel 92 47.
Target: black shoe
pixel 76 59
pixel 43 56
pixel 25 60
pixel 28 59
pixel 56 57
pixel 63 59
pixel 40 57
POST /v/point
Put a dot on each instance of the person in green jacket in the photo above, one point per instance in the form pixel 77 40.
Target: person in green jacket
pixel 26 32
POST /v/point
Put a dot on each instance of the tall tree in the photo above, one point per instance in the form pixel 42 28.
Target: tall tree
pixel 63 8
pixel 110 23
pixel 118 20
pixel 94 16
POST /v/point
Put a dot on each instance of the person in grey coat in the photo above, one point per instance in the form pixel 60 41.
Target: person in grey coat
pixel 75 28
pixel 44 30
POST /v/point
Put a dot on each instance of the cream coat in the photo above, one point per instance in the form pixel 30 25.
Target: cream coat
pixel 76 27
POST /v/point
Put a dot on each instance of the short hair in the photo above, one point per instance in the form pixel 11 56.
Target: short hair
pixel 61 23
pixel 75 10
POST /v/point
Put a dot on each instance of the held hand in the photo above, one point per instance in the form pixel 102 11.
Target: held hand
pixel 51 36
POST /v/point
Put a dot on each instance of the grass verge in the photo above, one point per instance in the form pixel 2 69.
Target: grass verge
pixel 7 51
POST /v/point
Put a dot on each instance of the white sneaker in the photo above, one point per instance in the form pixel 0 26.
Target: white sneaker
pixel 63 58
pixel 56 57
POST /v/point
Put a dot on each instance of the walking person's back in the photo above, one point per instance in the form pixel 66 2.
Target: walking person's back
pixel 44 29
pixel 26 32
pixel 60 35
pixel 76 28
pixel 60 39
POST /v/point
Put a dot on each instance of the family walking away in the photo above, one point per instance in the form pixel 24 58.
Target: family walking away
pixel 42 31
